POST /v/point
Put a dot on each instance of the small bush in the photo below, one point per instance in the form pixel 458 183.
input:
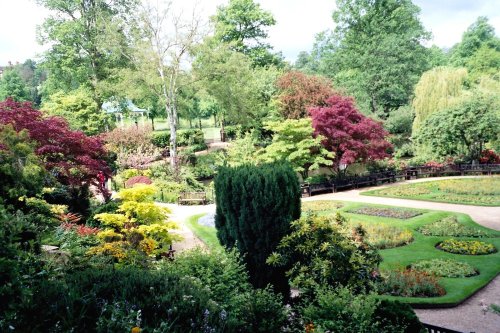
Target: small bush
pixel 340 310
pixel 395 213
pixel 445 268
pixel 469 247
pixel 410 283
pixel 449 226
pixel 161 140
pixel 190 137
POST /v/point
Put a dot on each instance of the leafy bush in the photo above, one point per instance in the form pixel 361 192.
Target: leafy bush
pixel 233 132
pixel 386 237
pixel 395 213
pixel 322 205
pixel 445 268
pixel 323 251
pixel 190 137
pixel 198 292
pixel 339 310
pixel 449 226
pixel 466 247
pixel 108 207
pixel 161 140
pixel 206 165
pixel 410 283
pixel 138 229
pixel 255 206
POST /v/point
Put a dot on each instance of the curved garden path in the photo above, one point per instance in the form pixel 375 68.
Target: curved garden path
pixel 486 216
pixel 180 214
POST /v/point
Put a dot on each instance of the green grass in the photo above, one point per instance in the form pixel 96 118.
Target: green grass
pixel 481 191
pixel 206 234
pixel 422 248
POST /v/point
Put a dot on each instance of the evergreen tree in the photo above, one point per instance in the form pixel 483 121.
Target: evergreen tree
pixel 12 85
pixel 255 206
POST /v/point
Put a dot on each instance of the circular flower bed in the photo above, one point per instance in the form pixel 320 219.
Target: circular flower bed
pixel 445 268
pixel 470 247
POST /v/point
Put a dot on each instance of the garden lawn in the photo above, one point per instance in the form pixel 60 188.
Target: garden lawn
pixel 207 235
pixel 483 191
pixel 421 248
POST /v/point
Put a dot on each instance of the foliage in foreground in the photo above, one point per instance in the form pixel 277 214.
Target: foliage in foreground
pixel 322 251
pixel 255 206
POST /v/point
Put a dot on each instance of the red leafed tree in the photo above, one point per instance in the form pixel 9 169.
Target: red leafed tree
pixel 72 157
pixel 298 91
pixel 349 134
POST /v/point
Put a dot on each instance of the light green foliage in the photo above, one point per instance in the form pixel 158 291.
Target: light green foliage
pixel 21 171
pixel 243 24
pixel 437 89
pixel 399 124
pixel 484 62
pixel 293 141
pixel 463 129
pixel 242 92
pixel 242 151
pixel 79 109
pixel 12 85
pixel 479 34
pixel 437 57
pixel 87 43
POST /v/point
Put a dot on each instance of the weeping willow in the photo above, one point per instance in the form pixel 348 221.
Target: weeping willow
pixel 437 89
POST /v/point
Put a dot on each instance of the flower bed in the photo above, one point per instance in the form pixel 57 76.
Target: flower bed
pixel 322 205
pixel 410 283
pixel 469 247
pixel 449 226
pixel 386 237
pixel 396 213
pixel 445 268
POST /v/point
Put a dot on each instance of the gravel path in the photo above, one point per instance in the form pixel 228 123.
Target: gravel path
pixel 486 216
pixel 180 215
pixel 468 316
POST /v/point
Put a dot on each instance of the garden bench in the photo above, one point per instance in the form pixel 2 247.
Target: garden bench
pixel 188 197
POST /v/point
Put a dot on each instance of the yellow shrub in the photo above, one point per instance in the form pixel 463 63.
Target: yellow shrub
pixel 109 235
pixel 113 220
pixel 140 193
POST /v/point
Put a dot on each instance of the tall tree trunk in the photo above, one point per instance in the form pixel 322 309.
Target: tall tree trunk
pixel 215 120
pixel 199 123
pixel 153 123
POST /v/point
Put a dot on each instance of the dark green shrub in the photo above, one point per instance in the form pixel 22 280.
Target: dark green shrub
pixel 255 206
pixel 233 132
pixel 161 140
pixel 197 292
pixel 399 315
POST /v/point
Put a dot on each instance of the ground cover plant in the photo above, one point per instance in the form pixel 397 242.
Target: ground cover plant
pixel 449 226
pixel 476 191
pixel 392 212
pixel 445 268
pixel 470 247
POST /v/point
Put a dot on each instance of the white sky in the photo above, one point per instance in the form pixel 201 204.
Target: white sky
pixel 297 22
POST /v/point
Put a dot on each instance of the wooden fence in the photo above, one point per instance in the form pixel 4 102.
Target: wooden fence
pixel 373 179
